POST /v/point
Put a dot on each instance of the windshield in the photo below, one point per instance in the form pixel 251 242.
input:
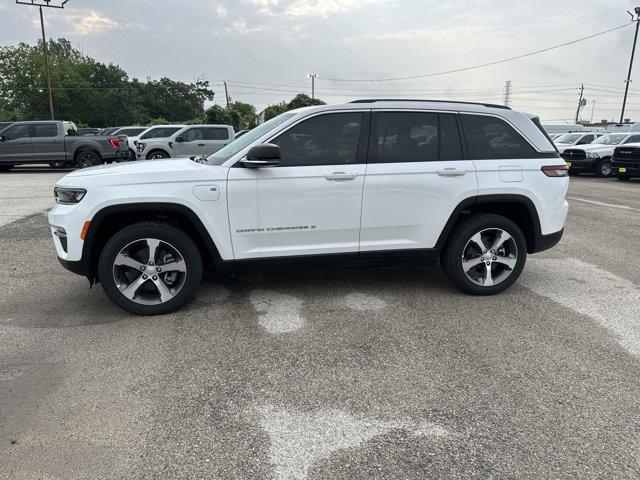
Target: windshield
pixel 613 139
pixel 568 138
pixel 224 154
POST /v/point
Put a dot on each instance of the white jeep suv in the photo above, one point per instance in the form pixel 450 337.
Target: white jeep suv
pixel 473 186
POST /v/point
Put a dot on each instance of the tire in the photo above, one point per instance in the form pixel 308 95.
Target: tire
pixel 624 178
pixel 512 253
pixel 87 158
pixel 157 154
pixel 6 168
pixel 126 255
pixel 604 168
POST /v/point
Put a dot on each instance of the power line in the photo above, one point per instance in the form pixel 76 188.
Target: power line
pixel 481 65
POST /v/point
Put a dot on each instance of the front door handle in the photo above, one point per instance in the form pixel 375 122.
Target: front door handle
pixel 340 176
pixel 201 144
pixel 451 172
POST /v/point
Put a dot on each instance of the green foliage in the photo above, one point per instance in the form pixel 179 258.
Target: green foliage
pixel 274 110
pixel 239 115
pixel 299 101
pixel 157 121
pixel 89 92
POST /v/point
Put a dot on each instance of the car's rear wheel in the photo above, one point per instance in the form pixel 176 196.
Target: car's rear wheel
pixel 604 168
pixel 157 155
pixel 150 268
pixel 88 158
pixel 6 168
pixel 485 255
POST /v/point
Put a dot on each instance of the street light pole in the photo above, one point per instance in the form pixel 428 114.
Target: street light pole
pixel 40 4
pixel 633 52
pixel 46 65
pixel 313 84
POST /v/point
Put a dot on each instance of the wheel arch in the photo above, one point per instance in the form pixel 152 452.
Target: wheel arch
pixel 110 219
pixel 158 148
pixel 518 208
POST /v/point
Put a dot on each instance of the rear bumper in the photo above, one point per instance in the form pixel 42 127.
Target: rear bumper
pixel 545 242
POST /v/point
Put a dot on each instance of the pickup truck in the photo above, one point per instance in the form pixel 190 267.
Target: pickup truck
pixel 626 161
pixel 56 143
pixel 596 157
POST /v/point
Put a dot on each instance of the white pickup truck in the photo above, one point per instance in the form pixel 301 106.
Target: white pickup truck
pixel 596 157
pixel 190 140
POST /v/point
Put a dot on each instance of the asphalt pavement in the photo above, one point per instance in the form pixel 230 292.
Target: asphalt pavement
pixel 386 373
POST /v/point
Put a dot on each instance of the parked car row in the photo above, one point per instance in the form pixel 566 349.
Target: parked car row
pixel 49 142
pixel 597 157
pixel 56 143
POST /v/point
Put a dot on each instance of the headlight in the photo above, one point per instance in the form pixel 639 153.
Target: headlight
pixel 68 196
pixel 141 147
pixel 592 155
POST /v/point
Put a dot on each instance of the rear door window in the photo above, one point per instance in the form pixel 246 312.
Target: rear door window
pixel 415 137
pixel 45 130
pixel 493 138
pixel 216 133
pixel 633 139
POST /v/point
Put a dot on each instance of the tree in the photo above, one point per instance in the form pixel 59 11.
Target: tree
pixel 304 100
pixel 240 115
pixel 274 110
pixel 88 91
pixel 299 101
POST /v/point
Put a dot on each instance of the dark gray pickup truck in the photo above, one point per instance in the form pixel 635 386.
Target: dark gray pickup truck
pixel 58 144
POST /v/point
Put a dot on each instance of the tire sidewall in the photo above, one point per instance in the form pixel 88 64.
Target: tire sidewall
pixel 172 235
pixel 97 158
pixel 599 171
pixel 162 154
pixel 463 233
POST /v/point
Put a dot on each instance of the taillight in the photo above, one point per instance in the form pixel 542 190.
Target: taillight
pixel 556 170
pixel 115 143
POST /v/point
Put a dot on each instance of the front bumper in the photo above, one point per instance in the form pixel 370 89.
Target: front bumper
pixel 630 169
pixel 545 242
pixel 584 165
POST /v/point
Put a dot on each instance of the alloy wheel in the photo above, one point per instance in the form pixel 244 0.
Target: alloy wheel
pixel 87 159
pixel 489 257
pixel 149 271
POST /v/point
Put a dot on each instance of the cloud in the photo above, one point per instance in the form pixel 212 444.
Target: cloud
pixel 324 8
pixel 91 23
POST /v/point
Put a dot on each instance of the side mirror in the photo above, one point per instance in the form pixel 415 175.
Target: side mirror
pixel 265 155
pixel 179 139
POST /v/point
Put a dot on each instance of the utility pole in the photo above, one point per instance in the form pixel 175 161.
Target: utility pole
pixel 313 76
pixel 40 4
pixel 633 52
pixel 226 93
pixel 581 102
pixel 507 93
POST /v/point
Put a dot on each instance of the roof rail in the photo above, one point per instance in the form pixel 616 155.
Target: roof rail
pixel 374 100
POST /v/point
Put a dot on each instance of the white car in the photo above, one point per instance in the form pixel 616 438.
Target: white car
pixel 596 157
pixel 190 140
pixel 474 186
pixel 157 131
pixel 569 140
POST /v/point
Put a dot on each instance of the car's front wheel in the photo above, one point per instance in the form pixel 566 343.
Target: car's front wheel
pixel 604 168
pixel 485 255
pixel 150 268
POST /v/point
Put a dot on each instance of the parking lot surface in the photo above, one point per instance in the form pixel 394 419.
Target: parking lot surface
pixel 385 373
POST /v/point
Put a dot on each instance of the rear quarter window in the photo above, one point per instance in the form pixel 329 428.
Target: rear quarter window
pixel 493 138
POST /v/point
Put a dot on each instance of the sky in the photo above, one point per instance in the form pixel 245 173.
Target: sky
pixel 265 49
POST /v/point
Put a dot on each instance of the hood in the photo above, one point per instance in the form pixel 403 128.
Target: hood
pixel 144 171
pixel 595 147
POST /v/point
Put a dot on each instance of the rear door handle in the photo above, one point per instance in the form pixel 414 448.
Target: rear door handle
pixel 340 176
pixel 451 172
